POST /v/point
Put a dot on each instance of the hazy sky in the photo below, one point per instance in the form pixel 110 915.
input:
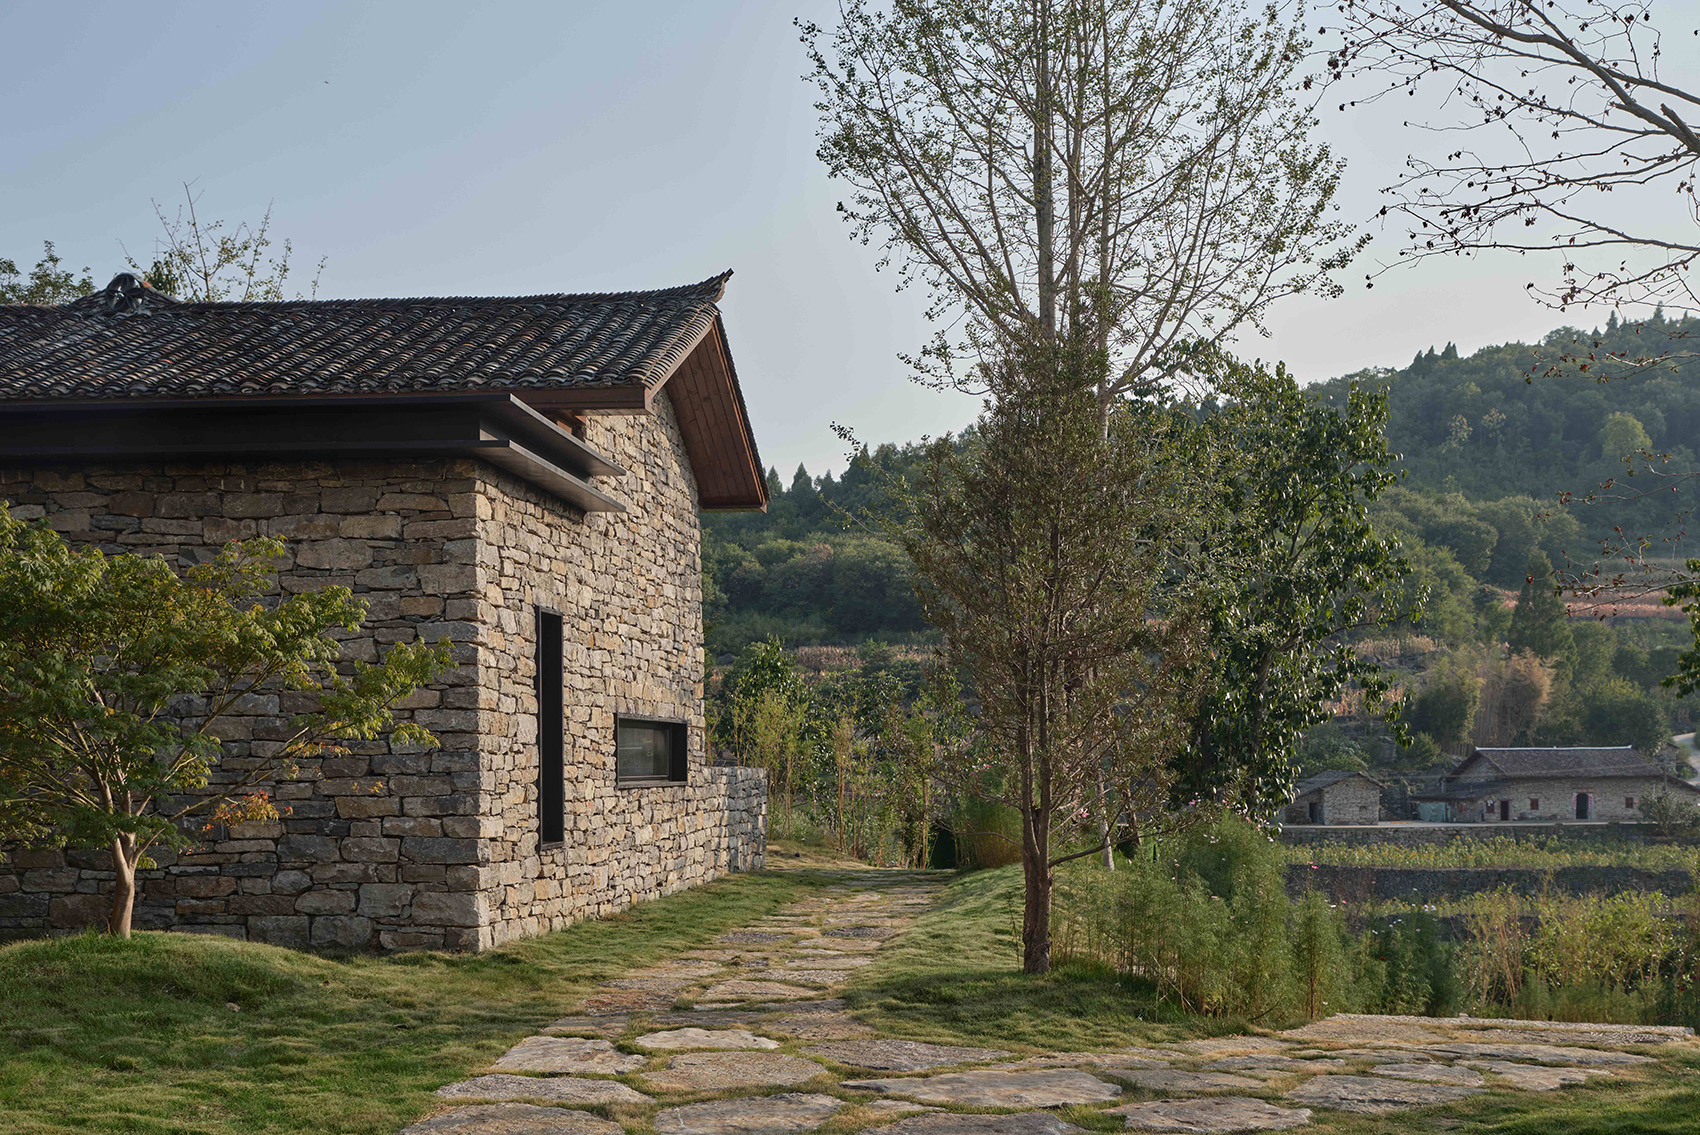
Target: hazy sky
pixel 431 148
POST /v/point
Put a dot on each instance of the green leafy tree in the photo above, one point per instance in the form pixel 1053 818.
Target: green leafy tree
pixel 1447 709
pixel 1036 559
pixel 48 282
pixel 118 675
pixel 1293 566
pixel 1539 622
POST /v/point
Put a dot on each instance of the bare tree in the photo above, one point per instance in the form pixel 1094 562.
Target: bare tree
pixel 1562 135
pixel 1130 177
pixel 213 261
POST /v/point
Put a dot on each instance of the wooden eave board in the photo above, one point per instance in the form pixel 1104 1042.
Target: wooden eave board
pixel 715 429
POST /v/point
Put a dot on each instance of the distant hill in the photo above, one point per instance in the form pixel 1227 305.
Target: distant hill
pixel 1537 420
pixel 1489 442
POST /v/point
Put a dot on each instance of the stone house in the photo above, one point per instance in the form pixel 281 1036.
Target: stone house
pixel 1336 797
pixel 522 476
pixel 1553 784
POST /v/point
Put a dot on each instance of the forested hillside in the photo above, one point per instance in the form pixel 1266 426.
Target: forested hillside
pixel 1488 443
pixel 1537 420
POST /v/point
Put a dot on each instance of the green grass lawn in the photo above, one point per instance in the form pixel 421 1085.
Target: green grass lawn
pixel 203 1036
pixel 195 1035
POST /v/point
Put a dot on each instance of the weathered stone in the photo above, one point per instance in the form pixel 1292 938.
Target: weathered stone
pixel 901 1055
pixel 719 1071
pixel 817 1026
pixel 872 933
pixel 513 1119
pixel 626 1001
pixel 659 984
pixel 74 912
pixel 1600 1036
pixel 896 1107
pixel 1374 1094
pixel 821 959
pixel 739 990
pixel 1058 1087
pixel 1431 1074
pixel 556 1089
pixel 1086 1060
pixel 1540 1054
pixel 1211 1115
pixel 1236 1045
pixel 1349 1029
pixel 348 931
pixel 556 1054
pixel 764 1115
pixel 752 938
pixel 1275 1064
pixel 1177 1082
pixel 671 1039
pixel 1537 1077
pixel 949 1123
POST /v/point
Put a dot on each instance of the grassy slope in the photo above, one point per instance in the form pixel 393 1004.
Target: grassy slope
pixel 189 1034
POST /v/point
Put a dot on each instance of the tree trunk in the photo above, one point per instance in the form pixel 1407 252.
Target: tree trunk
pixel 1036 907
pixel 1104 823
pixel 1036 916
pixel 123 885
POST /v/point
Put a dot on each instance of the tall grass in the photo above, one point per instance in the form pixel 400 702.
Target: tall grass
pixel 1207 920
pixel 1500 851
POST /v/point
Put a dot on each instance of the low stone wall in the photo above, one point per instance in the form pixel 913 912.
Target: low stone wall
pixel 1437 884
pixel 304 890
pixel 1421 834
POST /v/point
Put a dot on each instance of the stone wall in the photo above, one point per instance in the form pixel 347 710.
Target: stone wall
pixel 373 847
pixel 629 587
pixel 1437 884
pixel 391 847
pixel 1555 799
pixel 1414 833
pixel 1355 800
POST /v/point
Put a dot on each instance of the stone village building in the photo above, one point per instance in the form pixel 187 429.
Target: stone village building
pixel 523 476
pixel 1336 797
pixel 1587 783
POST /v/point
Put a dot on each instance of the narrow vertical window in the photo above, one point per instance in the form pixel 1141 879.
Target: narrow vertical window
pixel 551 771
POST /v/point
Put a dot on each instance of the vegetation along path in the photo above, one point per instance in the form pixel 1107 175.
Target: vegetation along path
pixel 753 1033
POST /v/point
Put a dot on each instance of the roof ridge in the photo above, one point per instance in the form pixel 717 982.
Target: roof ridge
pixel 710 290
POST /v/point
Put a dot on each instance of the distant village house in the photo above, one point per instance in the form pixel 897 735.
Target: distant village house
pixel 1560 784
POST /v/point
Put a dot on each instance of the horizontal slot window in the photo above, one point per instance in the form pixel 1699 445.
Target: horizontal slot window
pixel 647 751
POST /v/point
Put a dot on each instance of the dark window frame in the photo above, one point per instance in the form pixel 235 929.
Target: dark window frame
pixel 679 761
pixel 550 681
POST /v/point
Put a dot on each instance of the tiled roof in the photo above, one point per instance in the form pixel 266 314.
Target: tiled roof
pixel 132 342
pixel 1331 776
pixel 1593 762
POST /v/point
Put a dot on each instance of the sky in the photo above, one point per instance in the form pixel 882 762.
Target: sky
pixel 432 148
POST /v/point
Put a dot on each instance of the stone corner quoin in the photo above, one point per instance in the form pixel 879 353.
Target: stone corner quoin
pixel 389 847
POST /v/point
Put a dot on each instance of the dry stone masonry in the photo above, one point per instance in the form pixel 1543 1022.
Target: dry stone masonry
pixel 389 847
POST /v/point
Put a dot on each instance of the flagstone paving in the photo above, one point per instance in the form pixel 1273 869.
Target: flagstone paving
pixel 1211 1115
pixel 722 1039
pixel 885 1055
pixel 702 1038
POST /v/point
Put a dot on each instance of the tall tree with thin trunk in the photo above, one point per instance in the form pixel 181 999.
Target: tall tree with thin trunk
pixel 1040 556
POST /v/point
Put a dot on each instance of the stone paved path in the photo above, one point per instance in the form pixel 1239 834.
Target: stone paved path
pixel 747 1035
